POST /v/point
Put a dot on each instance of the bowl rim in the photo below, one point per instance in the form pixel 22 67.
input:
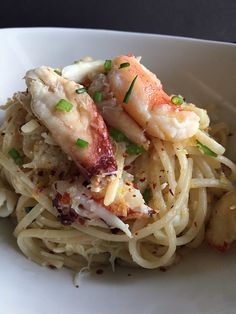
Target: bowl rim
pixel 116 32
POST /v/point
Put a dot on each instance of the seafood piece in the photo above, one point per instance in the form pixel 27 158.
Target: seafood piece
pixel 74 202
pixel 116 117
pixel 114 114
pixel 148 104
pixel 82 70
pixel 81 122
pixel 129 203
pixel 222 226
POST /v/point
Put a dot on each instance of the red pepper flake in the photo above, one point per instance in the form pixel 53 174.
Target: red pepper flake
pixel 67 217
pixel 86 83
pixel 142 180
pixel 127 167
pixel 223 248
pixel 81 221
pixel 65 200
pixel 154 185
pixel 99 271
pixel 40 189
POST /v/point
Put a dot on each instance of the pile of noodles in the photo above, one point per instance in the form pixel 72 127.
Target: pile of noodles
pixel 184 184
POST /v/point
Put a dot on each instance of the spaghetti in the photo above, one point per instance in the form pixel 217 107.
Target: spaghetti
pixel 182 180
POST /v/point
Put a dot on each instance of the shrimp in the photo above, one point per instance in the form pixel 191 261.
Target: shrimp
pixel 114 115
pixel 148 104
pixel 222 226
pixel 82 122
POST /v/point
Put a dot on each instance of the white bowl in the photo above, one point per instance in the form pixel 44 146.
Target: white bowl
pixel 204 281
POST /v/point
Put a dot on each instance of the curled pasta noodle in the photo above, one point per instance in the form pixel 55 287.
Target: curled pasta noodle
pixel 8 201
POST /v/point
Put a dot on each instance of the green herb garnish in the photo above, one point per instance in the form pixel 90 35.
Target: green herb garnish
pixel 107 65
pixel 177 100
pixel 80 90
pixel 81 143
pixel 118 136
pixel 97 96
pixel 15 155
pixel 57 71
pixel 206 150
pixel 131 148
pixel 134 149
pixel 124 65
pixel 64 105
pixel 28 209
pixel 128 93
pixel 147 195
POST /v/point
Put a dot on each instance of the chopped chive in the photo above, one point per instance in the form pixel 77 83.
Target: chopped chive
pixel 14 154
pixel 124 65
pixel 147 195
pixel 206 150
pixel 118 136
pixel 128 93
pixel 80 90
pixel 64 105
pixel 28 209
pixel 131 148
pixel 107 65
pixel 57 71
pixel 97 96
pixel 177 100
pixel 81 143
pixel 134 149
